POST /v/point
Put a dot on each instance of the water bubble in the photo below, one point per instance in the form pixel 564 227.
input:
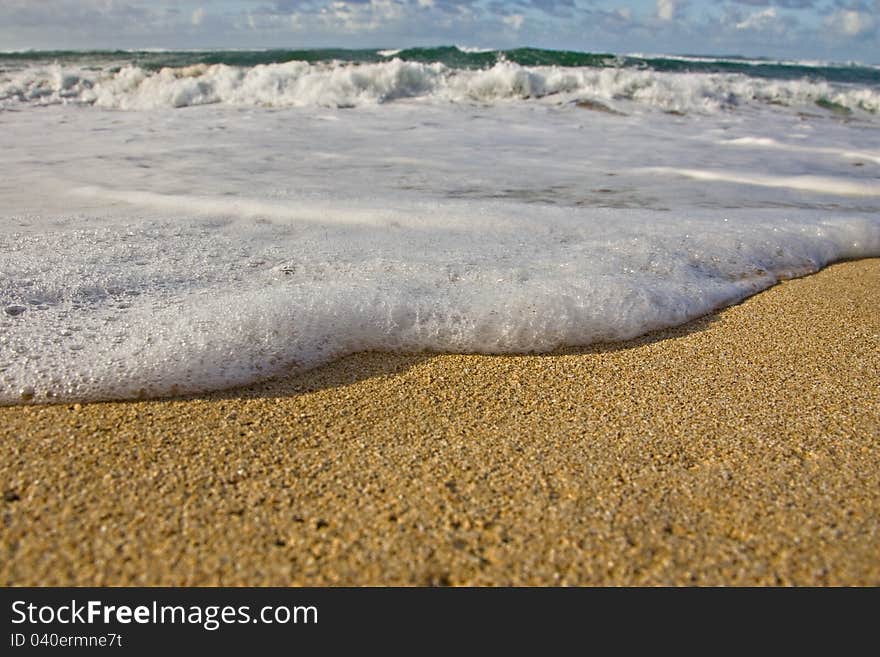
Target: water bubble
pixel 14 310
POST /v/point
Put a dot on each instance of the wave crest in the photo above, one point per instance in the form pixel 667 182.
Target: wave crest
pixel 336 84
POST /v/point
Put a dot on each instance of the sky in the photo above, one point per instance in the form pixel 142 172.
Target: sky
pixel 840 30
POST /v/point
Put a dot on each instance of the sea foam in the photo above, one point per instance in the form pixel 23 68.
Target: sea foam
pixel 153 251
pixel 337 84
pixel 149 308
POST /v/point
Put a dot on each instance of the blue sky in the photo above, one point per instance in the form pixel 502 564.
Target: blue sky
pixel 805 29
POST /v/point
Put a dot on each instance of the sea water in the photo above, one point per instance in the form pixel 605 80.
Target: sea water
pixel 183 222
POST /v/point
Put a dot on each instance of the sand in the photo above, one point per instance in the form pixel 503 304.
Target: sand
pixel 743 448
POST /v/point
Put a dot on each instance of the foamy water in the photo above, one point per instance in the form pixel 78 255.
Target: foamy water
pixel 186 230
pixel 331 84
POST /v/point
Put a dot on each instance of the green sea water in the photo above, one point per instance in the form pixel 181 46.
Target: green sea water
pixel 454 57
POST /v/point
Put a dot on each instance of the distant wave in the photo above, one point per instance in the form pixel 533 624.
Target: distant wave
pixel 464 57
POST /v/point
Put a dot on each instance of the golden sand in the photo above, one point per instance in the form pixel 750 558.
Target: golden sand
pixel 743 448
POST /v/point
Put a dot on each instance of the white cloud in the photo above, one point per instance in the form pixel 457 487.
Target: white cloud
pixel 852 23
pixel 198 16
pixel 513 20
pixel 760 20
pixel 665 10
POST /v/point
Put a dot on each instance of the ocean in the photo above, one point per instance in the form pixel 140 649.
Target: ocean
pixel 184 222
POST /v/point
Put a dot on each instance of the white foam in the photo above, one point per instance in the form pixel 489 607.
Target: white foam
pixel 155 252
pixel 768 142
pixel 152 308
pixel 297 84
pixel 710 59
pixel 474 49
pixel 243 207
pixel 812 184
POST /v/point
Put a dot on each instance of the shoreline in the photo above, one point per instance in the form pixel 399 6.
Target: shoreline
pixel 740 448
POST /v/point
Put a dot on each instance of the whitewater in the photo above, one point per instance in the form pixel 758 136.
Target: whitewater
pixel 353 84
pixel 176 223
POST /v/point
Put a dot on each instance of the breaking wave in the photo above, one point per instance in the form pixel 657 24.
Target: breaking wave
pixel 348 84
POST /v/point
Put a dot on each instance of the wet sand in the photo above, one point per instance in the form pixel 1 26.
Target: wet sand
pixel 742 448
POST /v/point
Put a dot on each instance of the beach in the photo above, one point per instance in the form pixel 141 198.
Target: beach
pixel 438 316
pixel 741 448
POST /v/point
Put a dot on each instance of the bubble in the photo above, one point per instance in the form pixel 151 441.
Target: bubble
pixel 14 310
pixel 493 282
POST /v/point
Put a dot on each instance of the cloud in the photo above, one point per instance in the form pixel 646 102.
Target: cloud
pixel 784 4
pixel 513 20
pixel 760 20
pixel 665 10
pixel 38 12
pixel 852 23
pixel 198 16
